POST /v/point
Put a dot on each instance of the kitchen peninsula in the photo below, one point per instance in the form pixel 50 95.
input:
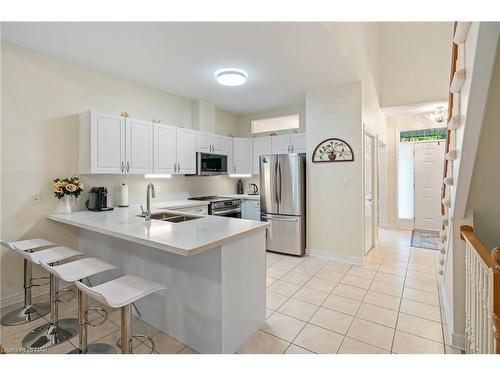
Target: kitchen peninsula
pixel 213 267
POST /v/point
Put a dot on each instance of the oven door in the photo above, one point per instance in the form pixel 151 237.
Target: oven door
pixel 230 212
pixel 211 164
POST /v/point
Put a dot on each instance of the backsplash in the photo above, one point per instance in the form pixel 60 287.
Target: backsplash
pixel 177 187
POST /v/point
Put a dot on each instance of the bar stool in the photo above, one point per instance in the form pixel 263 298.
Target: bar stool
pixel 30 311
pixel 79 270
pixel 56 331
pixel 121 293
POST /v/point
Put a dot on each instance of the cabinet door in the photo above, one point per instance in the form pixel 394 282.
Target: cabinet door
pixel 245 210
pixel 280 144
pixel 261 146
pixel 298 142
pixel 165 149
pixel 186 151
pixel 203 142
pixel 242 156
pixel 255 210
pixel 139 146
pixel 107 144
pixel 220 144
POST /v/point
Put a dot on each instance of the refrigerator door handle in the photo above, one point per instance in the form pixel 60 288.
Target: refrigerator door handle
pixel 276 219
pixel 276 183
pixel 280 190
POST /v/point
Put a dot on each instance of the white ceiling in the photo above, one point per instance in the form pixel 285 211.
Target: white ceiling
pixel 283 59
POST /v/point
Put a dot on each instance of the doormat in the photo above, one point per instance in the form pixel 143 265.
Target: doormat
pixel 425 239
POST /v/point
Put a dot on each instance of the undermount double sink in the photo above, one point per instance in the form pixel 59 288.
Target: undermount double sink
pixel 172 218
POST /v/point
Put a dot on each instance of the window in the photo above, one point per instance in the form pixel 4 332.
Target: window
pixel 275 124
pixel 405 167
pixel 436 134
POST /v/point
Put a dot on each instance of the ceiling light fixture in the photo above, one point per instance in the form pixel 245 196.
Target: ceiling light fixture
pixel 231 77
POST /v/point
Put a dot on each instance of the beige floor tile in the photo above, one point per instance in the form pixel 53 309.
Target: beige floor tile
pixel 188 350
pixel 389 279
pixel 421 275
pixel 270 281
pixel 360 271
pixel 274 300
pixel 349 292
pixel 283 326
pixel 97 333
pixel 421 310
pixel 420 327
pixel 382 300
pixel 269 312
pixel 319 340
pixel 356 281
pixel 451 350
pixel 114 337
pixel 309 295
pixel 394 264
pixel 392 271
pixel 426 286
pixel 307 269
pixel 330 275
pixel 405 343
pixel 144 349
pixel 332 320
pixel 421 268
pixel 284 264
pixel 165 344
pixel 284 287
pixel 315 261
pixel 295 259
pixel 294 349
pixel 371 333
pixel 298 309
pixel 337 267
pixel 351 346
pixel 421 296
pixel 263 343
pixel 342 304
pixel 6 331
pixel 390 289
pixel 296 278
pixel 323 285
pixel 275 273
pixel 378 315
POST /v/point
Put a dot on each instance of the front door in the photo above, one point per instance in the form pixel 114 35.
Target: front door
pixel 429 158
pixel 368 191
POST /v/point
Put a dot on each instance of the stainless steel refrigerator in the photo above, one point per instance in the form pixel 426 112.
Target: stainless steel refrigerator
pixel 283 201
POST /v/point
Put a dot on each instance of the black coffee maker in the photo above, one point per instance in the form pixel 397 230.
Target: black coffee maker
pixel 98 199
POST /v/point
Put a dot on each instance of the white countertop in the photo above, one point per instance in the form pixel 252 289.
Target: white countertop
pixel 185 238
pixel 242 196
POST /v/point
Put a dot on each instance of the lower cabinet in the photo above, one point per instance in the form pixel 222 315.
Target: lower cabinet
pixel 250 209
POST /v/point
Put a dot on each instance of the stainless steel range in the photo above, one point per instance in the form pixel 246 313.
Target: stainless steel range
pixel 221 206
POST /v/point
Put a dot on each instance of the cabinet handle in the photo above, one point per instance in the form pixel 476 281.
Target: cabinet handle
pixel 128 166
pixel 178 167
pixel 288 148
pixel 292 147
pixel 121 166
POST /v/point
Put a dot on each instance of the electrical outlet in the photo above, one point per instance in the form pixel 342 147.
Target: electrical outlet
pixel 37 198
pixel 157 189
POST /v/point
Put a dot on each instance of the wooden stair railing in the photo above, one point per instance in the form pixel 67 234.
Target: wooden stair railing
pixel 454 58
pixel 482 295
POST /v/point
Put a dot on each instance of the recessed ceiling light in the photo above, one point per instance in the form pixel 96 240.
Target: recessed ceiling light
pixel 231 76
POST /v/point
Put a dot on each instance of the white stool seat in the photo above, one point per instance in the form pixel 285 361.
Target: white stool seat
pixel 122 291
pixel 54 254
pixel 25 245
pixel 79 269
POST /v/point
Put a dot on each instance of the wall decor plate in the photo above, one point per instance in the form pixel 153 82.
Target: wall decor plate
pixel 332 150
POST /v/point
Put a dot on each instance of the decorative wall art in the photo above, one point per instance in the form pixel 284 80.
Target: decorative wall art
pixel 331 150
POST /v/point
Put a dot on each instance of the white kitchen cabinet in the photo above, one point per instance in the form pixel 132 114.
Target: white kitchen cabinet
pixel 212 144
pixel 139 146
pixel 186 151
pixel 286 143
pixel 165 149
pixel 242 156
pixel 250 209
pixel 261 146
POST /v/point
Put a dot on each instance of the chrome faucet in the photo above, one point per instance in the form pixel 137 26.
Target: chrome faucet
pixel 147 212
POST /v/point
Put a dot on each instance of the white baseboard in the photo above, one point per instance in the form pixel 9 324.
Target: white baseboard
pixel 336 257
pixel 455 339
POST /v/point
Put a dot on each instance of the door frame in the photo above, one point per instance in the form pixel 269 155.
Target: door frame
pixel 374 182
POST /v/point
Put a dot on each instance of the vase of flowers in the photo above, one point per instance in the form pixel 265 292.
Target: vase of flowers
pixel 66 188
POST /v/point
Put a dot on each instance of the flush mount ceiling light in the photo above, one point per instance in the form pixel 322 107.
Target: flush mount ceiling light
pixel 231 77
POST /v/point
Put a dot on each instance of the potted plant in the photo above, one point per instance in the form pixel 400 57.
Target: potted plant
pixel 65 188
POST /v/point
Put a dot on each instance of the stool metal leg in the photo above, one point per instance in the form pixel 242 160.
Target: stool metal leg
pixel 83 347
pixel 126 328
pixel 29 312
pixel 54 332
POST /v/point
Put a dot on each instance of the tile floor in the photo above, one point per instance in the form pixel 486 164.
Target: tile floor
pixel 388 305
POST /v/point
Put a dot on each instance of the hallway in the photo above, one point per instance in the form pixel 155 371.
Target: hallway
pixel 389 305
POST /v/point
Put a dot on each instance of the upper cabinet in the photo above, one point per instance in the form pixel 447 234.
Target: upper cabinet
pixel 213 144
pixel 261 146
pixel 114 144
pixel 284 144
pixel 165 149
pixel 242 156
pixel 186 151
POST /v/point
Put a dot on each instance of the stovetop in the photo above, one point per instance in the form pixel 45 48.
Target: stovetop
pixel 211 198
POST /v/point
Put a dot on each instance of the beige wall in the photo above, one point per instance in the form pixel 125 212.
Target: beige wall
pixel 335 209
pixel 42 97
pixel 245 121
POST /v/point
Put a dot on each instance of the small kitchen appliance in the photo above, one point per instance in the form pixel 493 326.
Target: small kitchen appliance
pixel 239 187
pixel 253 189
pixel 98 199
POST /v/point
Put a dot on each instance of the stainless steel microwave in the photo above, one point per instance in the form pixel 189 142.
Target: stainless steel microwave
pixel 210 164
